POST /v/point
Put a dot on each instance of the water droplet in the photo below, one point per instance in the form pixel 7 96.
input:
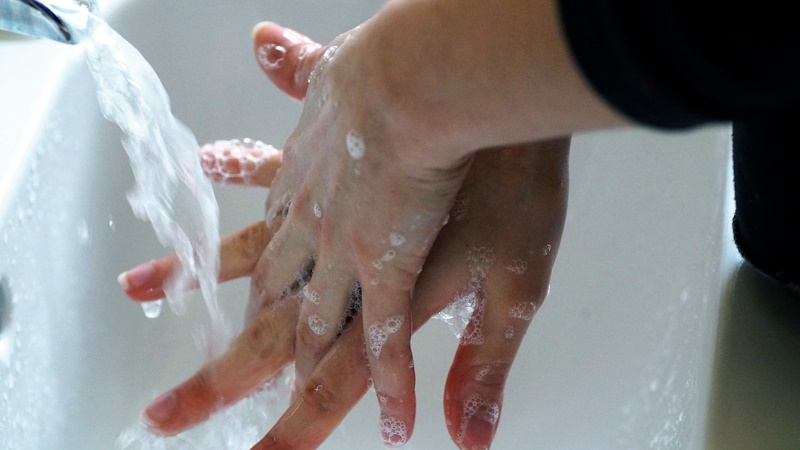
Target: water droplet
pixel 397 239
pixel 389 255
pixel 152 309
pixel 355 145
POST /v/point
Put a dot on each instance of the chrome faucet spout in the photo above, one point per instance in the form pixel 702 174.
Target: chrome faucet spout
pixel 59 20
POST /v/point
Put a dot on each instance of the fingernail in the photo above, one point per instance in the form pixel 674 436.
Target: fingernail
pixel 478 423
pixel 161 409
pixel 257 27
pixel 137 277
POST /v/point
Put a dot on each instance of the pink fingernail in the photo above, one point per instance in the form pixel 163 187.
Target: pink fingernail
pixel 161 409
pixel 257 27
pixel 138 276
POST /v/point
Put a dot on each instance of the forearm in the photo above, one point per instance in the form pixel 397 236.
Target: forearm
pixel 475 74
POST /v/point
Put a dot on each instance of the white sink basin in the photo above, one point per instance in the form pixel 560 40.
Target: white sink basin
pixel 621 356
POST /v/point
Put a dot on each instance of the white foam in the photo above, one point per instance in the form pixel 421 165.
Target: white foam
pixel 523 310
pixel 483 371
pixel 356 146
pixel 393 431
pixel 480 259
pixel 518 266
pixel 389 255
pixel 317 324
pixel 480 408
pixel 311 296
pixel 380 332
pixel 270 51
pixel 235 161
pixel 396 239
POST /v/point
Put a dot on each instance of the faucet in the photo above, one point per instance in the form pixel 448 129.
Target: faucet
pixel 59 20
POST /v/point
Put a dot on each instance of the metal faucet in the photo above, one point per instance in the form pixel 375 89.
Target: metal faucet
pixel 59 20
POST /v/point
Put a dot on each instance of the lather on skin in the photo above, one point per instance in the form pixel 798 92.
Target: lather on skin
pixel 526 186
pixel 426 117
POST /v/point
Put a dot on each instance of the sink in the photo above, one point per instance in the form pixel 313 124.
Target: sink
pixel 620 356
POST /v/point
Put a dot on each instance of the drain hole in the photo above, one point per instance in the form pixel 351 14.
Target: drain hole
pixel 5 304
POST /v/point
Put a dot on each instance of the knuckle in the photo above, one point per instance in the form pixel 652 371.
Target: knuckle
pixel 250 241
pixel 259 338
pixel 203 386
pixel 489 377
pixel 319 396
pixel 308 342
pixel 395 355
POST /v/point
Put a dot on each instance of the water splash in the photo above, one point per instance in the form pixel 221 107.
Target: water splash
pixel 237 427
pixel 171 190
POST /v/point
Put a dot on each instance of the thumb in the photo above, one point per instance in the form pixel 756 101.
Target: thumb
pixel 286 56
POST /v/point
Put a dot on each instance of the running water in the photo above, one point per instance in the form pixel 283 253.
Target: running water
pixel 171 190
pixel 174 195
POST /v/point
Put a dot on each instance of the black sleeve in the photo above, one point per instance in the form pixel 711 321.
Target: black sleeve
pixel 675 64
pixel 767 185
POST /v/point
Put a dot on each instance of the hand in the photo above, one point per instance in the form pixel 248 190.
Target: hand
pixel 503 270
pixel 351 202
pixel 267 345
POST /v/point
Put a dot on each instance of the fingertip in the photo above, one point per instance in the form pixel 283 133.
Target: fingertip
pixel 259 26
pixel 138 277
pixel 122 279
pixel 283 54
pixel 397 418
pixel 394 432
pixel 160 411
pixel 472 420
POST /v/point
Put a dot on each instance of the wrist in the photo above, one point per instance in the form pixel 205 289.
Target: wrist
pixel 458 76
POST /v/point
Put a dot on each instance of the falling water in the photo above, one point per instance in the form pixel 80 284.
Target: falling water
pixel 171 190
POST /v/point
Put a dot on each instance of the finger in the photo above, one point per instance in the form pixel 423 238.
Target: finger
pixel 286 56
pixel 325 399
pixel 388 329
pixel 315 412
pixel 325 300
pixel 475 384
pixel 239 253
pixel 240 162
pixel 282 268
pixel 255 357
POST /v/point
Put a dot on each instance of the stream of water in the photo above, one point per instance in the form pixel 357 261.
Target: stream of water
pixel 174 195
pixel 171 191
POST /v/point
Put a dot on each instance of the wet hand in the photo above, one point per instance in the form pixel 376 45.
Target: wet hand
pixel 268 344
pixel 501 272
pixel 355 204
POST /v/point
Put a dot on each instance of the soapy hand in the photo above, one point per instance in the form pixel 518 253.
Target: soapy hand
pixel 354 206
pixel 502 272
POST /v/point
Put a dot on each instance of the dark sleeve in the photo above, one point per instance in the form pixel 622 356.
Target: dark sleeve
pixel 675 64
pixel 767 186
